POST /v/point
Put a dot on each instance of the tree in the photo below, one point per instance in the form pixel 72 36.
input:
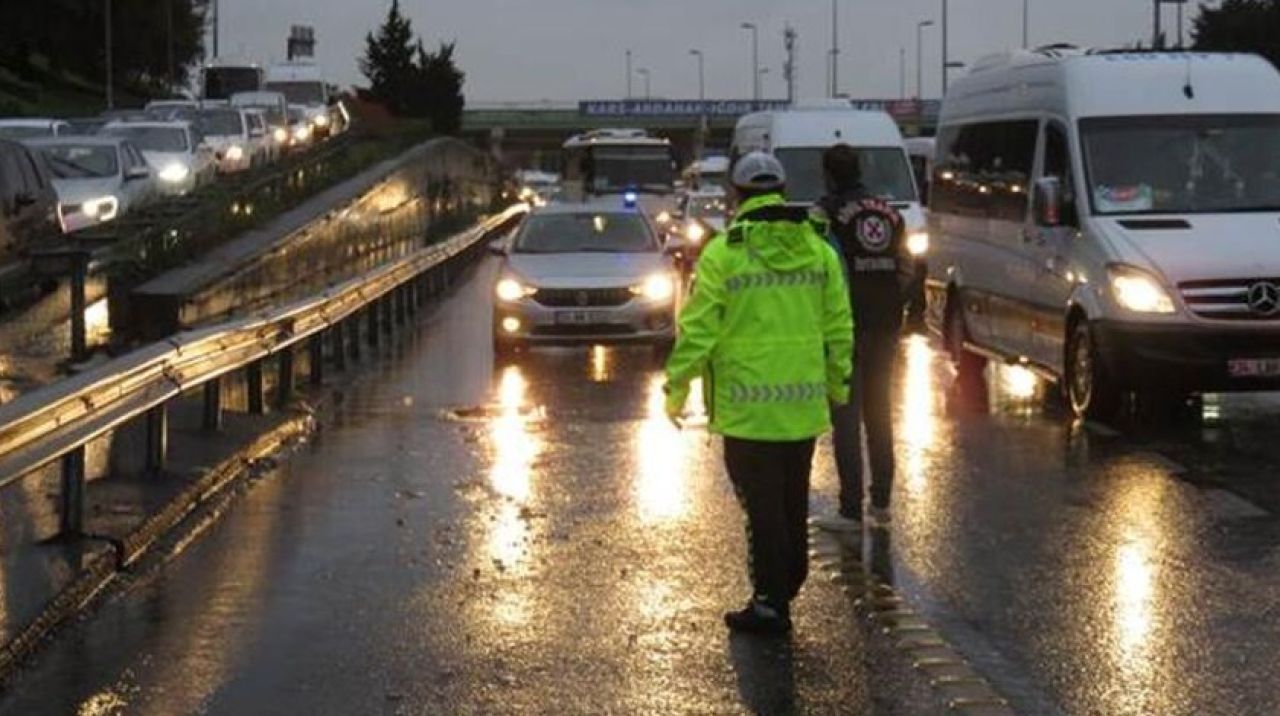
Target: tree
pixel 388 61
pixel 441 83
pixel 1240 26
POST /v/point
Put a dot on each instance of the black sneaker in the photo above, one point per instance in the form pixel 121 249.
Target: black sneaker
pixel 758 618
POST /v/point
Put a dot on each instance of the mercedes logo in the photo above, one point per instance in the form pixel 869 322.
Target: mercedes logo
pixel 584 298
pixel 1264 298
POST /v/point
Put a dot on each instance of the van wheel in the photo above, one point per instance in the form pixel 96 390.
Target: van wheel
pixel 1091 392
pixel 968 365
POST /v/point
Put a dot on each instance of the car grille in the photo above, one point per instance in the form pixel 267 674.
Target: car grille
pixel 1256 299
pixel 582 298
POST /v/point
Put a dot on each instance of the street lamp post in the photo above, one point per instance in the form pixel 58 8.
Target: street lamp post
pixel 902 72
pixel 702 75
pixel 755 58
pixel 629 93
pixel 835 48
pixel 920 26
pixel 1026 24
pixel 945 58
pixel 764 72
pixel 108 46
pixel 648 87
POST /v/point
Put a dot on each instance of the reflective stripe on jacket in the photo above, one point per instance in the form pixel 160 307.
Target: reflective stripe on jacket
pixel 768 326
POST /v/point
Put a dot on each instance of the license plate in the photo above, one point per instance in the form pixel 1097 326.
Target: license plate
pixel 581 318
pixel 1254 368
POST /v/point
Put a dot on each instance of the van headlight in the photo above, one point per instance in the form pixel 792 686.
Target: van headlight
pixel 918 243
pixel 1138 291
pixel 235 153
pixel 695 233
pixel 510 290
pixel 659 287
pixel 302 134
pixel 281 135
pixel 322 120
pixel 175 173
pixel 104 208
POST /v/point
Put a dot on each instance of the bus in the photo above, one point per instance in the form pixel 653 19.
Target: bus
pixel 622 162
pixel 222 78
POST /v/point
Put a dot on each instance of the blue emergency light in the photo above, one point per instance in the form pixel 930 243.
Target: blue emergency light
pixel 630 199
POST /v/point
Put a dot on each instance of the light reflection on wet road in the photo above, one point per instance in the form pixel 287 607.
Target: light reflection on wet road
pixel 537 538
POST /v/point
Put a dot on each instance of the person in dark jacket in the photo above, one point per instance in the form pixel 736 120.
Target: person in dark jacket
pixel 870 235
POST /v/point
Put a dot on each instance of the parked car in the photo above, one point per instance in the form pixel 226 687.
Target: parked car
pixel 174 150
pixel 97 179
pixel 21 128
pixel 586 273
pixel 1117 240
pixel 28 202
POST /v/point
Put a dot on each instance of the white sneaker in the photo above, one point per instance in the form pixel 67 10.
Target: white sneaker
pixel 838 523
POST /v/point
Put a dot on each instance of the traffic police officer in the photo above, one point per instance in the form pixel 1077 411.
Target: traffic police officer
pixel 769 329
pixel 870 236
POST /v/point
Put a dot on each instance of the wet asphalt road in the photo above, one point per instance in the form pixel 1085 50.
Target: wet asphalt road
pixel 535 539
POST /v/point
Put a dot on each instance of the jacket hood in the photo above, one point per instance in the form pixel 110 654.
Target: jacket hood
pixel 778 234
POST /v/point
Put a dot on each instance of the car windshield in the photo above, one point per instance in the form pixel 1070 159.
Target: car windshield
pixel 82 161
pixel 886 174
pixel 299 92
pixel 16 131
pixel 1182 164
pixel 154 139
pixel 585 232
pixel 707 206
pixel 617 169
pixel 221 122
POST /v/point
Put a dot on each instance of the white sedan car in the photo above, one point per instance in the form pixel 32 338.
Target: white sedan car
pixel 98 179
pixel 174 151
pixel 21 129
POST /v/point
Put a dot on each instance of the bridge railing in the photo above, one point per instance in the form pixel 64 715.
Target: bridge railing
pixel 58 421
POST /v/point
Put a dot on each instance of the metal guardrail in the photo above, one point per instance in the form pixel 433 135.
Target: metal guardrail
pixel 59 420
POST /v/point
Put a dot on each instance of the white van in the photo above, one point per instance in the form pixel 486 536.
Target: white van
pixel 798 137
pixel 303 85
pixel 1112 220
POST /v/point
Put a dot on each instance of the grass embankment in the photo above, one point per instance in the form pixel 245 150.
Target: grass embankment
pixel 36 90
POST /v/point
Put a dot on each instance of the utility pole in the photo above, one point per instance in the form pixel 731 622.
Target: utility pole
pixel 171 71
pixel 755 58
pixel 702 75
pixel 110 53
pixel 789 40
pixel 920 26
pixel 629 74
pixel 835 48
pixel 946 60
pixel 648 87
pixel 1156 39
pixel 1026 24
pixel 216 20
pixel 1181 7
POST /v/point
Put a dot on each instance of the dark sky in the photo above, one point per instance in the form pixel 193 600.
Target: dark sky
pixel 566 50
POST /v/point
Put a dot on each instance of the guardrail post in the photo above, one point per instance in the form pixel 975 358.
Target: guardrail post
pixel 374 331
pixel 71 515
pixel 157 438
pixel 338 342
pixel 213 405
pixel 79 303
pixel 253 384
pixel 284 378
pixel 384 304
pixel 315 359
pixel 401 297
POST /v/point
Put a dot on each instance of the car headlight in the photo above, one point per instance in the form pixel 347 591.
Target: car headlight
pixel 175 173
pixel 664 217
pixel 695 233
pixel 322 120
pixel 302 133
pixel 103 208
pixel 235 153
pixel 658 287
pixel 281 135
pixel 511 290
pixel 1138 291
pixel 918 243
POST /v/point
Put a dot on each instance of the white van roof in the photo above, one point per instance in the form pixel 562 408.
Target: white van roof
pixel 295 72
pixel 825 127
pixel 1081 83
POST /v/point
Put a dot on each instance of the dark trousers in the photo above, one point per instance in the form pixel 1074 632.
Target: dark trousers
pixel 869 410
pixel 772 482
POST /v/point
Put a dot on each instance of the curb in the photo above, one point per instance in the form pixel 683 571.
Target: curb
pixel 103 568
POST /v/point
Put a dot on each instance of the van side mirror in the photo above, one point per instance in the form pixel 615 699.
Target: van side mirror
pixel 1048 201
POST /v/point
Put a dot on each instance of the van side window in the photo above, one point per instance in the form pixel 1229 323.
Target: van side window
pixel 984 170
pixel 1057 163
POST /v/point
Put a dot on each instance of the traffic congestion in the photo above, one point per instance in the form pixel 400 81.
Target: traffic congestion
pixel 71 174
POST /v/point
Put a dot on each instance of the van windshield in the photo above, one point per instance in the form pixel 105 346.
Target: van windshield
pixel 885 173
pixel 1182 164
pixel 299 92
